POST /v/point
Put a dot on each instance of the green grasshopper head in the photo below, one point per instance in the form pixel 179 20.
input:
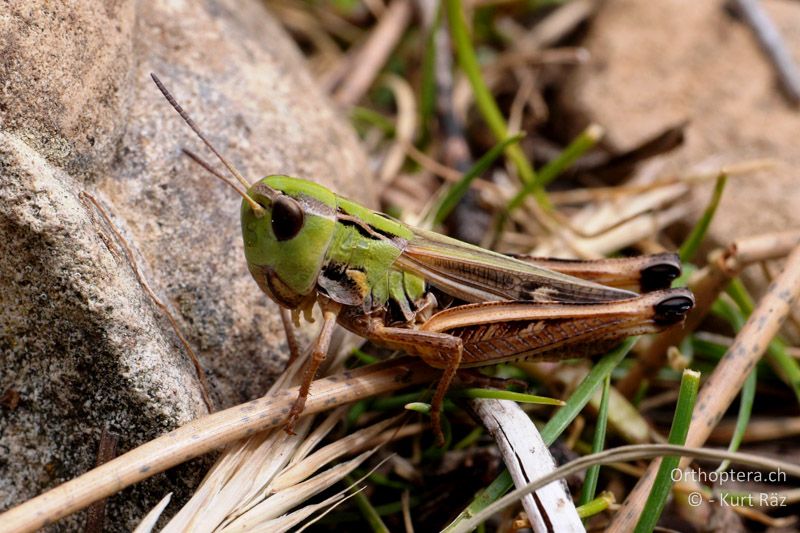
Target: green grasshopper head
pixel 287 224
pixel 285 246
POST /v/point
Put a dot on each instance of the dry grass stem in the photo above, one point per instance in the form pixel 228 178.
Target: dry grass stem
pixel 519 60
pixel 720 389
pixel 772 42
pixel 627 453
pixel 623 418
pixel 365 64
pixel 758 430
pixel 527 88
pixel 249 475
pixel 326 20
pixel 527 456
pixel 295 518
pixel 243 470
pixel 724 340
pixel 376 7
pixel 240 478
pixel 233 489
pixel 404 128
pixel 433 166
pixel 299 471
pixel 208 433
pixel 96 513
pixel 761 517
pixel 655 401
pixel 149 521
pixel 405 501
pixel 706 284
pixel 621 236
pixel 556 25
pixel 285 500
pixel 306 24
pixel 594 220
pixel 596 194
pixel 316 436
pixel 764 247
pixel 406 430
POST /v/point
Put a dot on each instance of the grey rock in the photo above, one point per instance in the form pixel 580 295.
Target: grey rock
pixel 657 64
pixel 81 344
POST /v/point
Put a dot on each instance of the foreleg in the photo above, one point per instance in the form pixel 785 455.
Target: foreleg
pixel 330 310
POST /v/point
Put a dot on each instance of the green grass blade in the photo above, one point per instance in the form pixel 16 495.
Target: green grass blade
pixel 746 399
pixel 737 291
pixel 384 481
pixel 553 429
pixel 419 407
pixel 367 510
pixel 364 357
pixel 706 348
pixel 487 106
pixel 786 366
pixel 690 383
pixel 387 403
pixel 496 489
pixel 596 506
pixel 508 395
pixel 470 439
pixel 427 96
pixel 578 400
pixel 394 507
pixel 598 443
pixel 355 411
pixel 695 238
pixel 583 142
pixel 727 310
pixel 372 118
pixel 457 191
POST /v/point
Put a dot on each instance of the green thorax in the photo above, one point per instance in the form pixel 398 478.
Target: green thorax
pixel 364 248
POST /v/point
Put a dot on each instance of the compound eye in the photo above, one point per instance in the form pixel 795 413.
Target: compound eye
pixel 287 218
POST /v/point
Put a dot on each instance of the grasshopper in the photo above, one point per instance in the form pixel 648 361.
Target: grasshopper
pixel 455 305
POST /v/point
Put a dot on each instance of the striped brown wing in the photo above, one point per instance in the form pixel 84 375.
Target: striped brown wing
pixel 474 274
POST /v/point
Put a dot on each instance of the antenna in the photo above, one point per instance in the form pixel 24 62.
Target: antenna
pixel 197 159
pixel 257 209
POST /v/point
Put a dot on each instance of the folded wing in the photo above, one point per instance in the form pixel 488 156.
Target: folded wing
pixel 474 274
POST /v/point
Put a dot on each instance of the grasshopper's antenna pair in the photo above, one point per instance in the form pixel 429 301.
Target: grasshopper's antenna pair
pixel 257 209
